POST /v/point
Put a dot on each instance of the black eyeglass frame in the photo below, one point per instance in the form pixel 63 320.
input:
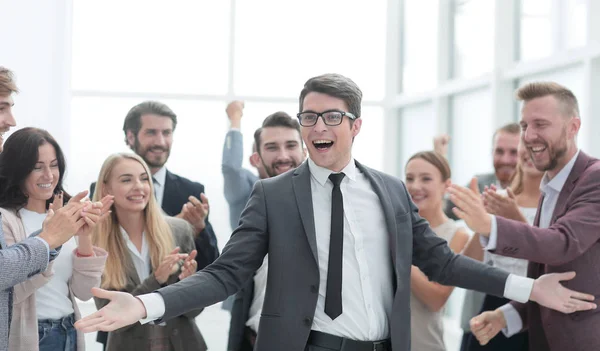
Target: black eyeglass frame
pixel 299 115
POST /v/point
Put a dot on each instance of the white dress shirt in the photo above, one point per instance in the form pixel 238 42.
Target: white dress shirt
pixel 258 298
pixel 551 189
pixel 159 179
pixel 367 288
pixel 141 259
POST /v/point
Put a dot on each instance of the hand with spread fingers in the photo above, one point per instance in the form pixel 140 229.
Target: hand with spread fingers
pixel 549 292
pixel 189 266
pixel 487 325
pixel 470 207
pixel 195 212
pixel 124 309
pixel 502 205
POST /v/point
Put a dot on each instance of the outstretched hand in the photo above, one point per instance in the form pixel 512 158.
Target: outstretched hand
pixel 549 292
pixel 122 310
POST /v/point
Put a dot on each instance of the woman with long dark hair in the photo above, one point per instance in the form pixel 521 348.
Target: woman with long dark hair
pixel 32 169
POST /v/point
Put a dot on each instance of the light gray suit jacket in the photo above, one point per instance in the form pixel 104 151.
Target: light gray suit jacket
pixel 17 264
pixel 278 220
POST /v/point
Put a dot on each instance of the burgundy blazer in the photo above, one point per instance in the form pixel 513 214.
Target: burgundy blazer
pixel 571 243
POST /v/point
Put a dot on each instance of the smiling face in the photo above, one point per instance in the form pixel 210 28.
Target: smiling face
pixel 526 163
pixel 548 134
pixel 153 141
pixel 505 155
pixel 280 150
pixel 130 184
pixel 425 185
pixel 329 146
pixel 41 182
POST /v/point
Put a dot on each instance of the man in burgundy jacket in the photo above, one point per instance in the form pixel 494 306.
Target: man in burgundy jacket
pixel 566 233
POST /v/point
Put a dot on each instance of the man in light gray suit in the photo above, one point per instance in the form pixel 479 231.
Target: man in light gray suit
pixel 31 256
pixel 341 238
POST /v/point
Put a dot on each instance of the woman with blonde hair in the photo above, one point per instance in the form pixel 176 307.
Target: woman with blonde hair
pixel 427 178
pixel 144 247
pixel 518 202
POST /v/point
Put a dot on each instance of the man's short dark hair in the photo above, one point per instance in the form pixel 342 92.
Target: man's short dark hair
pixel 335 85
pixel 277 119
pixel 133 120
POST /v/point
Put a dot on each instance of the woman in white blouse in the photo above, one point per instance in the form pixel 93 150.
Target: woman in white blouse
pixel 518 202
pixel 148 250
pixel 32 168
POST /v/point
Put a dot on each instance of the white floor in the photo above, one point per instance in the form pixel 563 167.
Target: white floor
pixel 214 324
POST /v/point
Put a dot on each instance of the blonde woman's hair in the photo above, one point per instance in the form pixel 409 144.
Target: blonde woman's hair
pixel 107 234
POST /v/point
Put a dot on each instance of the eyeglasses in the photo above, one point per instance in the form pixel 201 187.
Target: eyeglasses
pixel 330 118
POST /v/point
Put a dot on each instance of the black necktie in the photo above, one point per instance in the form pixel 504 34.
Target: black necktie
pixel 333 297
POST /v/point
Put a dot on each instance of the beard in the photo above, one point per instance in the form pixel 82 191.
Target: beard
pixel 555 152
pixel 144 154
pixel 272 170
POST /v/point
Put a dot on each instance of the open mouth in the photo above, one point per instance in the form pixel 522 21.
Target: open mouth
pixel 537 149
pixel 283 167
pixel 322 145
pixel 45 185
pixel 417 198
pixel 136 198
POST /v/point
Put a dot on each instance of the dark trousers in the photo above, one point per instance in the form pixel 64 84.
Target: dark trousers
pixel 518 342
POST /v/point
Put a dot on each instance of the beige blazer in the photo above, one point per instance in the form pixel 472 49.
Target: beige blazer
pixel 87 272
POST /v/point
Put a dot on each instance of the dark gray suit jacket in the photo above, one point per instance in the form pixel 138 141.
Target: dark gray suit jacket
pixel 278 220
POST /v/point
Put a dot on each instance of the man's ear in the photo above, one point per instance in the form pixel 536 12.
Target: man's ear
pixel 130 138
pixel 255 159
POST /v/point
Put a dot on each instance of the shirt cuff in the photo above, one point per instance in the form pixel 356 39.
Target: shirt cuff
pixel 45 244
pixel 154 305
pixel 490 243
pixel 514 323
pixel 518 288
pixel 235 129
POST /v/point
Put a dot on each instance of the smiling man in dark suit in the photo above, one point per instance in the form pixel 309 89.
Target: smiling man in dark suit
pixel 341 238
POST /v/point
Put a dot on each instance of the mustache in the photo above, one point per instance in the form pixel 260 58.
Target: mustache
pixel 157 148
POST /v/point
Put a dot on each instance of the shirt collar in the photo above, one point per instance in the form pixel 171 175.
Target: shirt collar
pixel 321 174
pixel 560 179
pixel 160 176
pixel 132 246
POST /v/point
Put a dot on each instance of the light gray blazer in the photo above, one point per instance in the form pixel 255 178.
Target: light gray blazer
pixel 278 220
pixel 17 264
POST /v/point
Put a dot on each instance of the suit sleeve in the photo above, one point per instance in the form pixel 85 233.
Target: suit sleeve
pixel 241 257
pixel 434 257
pixel 565 240
pixel 22 261
pixel 206 243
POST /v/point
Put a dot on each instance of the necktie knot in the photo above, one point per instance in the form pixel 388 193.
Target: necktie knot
pixel 336 178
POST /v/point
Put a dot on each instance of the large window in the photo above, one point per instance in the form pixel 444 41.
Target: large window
pixel 418 127
pixel 420 54
pixel 472 130
pixel 275 54
pixel 473 37
pixel 549 26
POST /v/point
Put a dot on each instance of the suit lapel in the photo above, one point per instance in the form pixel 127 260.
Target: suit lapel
pixel 302 190
pixel 386 203
pixel 536 221
pixel 578 169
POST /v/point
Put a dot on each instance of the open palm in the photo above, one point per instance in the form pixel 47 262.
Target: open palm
pixel 124 309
